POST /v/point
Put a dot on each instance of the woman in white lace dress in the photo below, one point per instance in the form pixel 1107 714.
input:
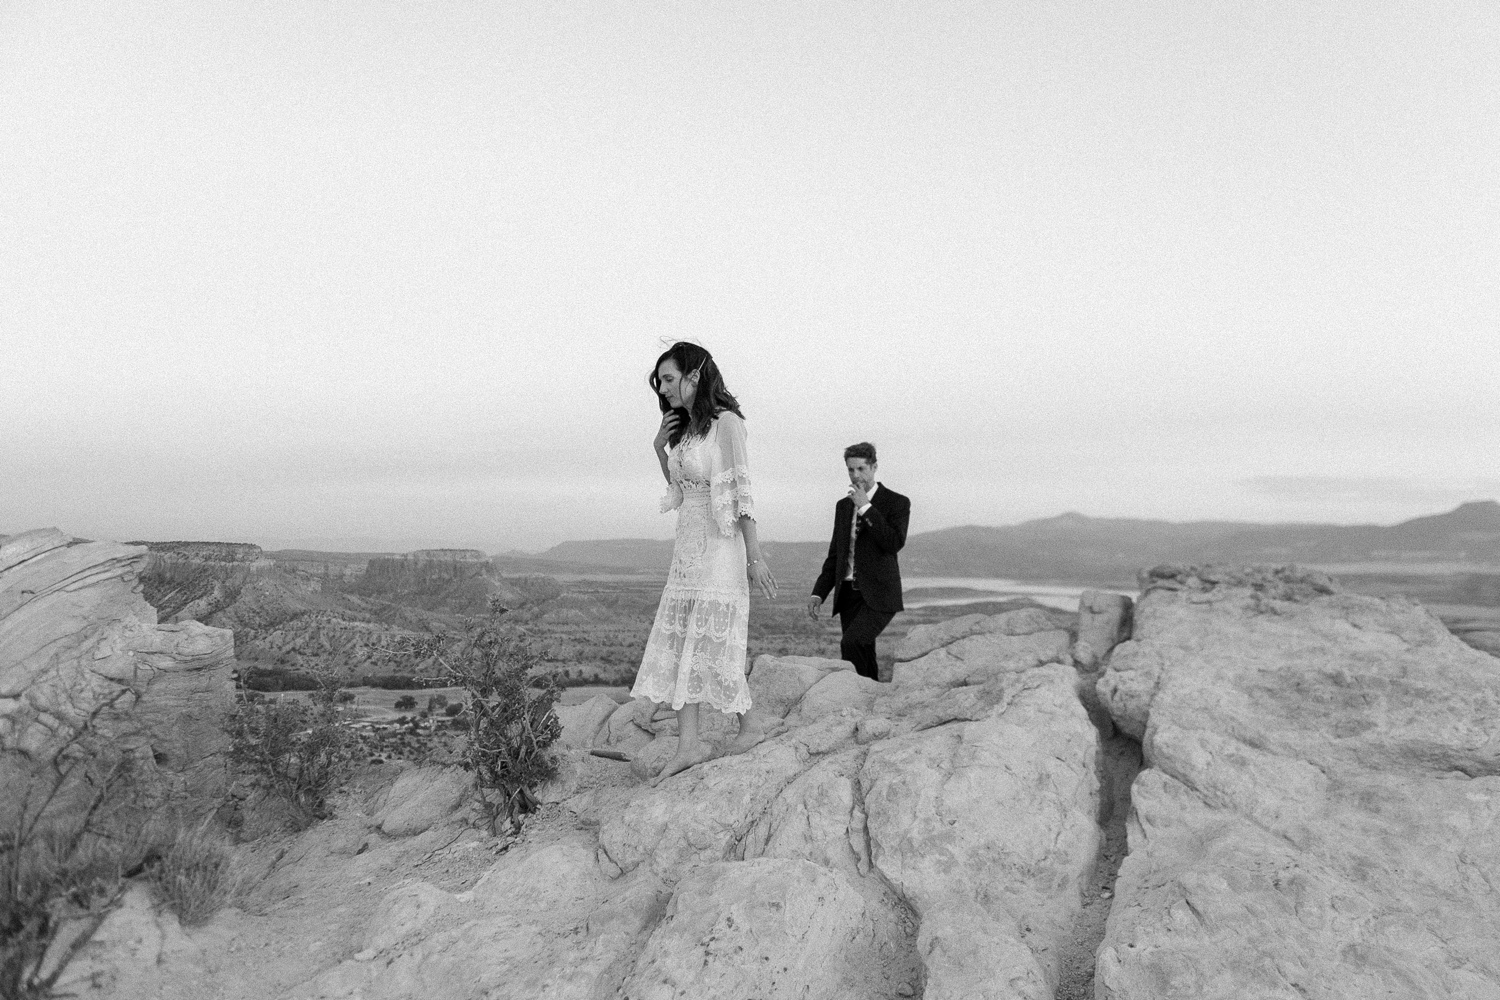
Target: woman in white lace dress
pixel 696 652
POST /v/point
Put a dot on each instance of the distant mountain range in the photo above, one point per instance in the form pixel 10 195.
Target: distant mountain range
pixel 1074 547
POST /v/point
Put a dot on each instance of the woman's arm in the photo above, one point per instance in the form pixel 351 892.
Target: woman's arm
pixel 760 574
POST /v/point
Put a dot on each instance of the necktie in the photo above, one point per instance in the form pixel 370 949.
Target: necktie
pixel 853 537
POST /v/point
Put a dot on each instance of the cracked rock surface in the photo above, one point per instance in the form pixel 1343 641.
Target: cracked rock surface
pixel 1320 811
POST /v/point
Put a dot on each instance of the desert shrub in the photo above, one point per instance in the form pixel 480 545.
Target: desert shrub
pixel 511 724
pixel 405 703
pixel 192 876
pixel 73 825
pixel 453 709
pixel 344 697
pixel 436 702
pixel 296 751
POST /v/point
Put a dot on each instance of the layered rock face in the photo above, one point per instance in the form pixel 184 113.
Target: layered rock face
pixel 930 838
pixel 190 581
pixel 76 634
pixel 1320 814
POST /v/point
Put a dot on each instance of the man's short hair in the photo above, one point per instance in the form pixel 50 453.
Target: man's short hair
pixel 864 450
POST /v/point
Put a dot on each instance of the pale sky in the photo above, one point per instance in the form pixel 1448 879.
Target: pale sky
pixel 388 275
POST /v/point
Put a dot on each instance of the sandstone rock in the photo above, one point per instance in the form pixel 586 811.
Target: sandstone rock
pixel 1319 812
pixel 569 774
pixel 75 634
pixel 557 877
pixel 970 955
pixel 700 815
pixel 581 723
pixel 777 683
pixel 997 814
pixel 628 727
pixel 517 933
pixel 818 817
pixel 1103 620
pixel 423 798
pixel 982 656
pixel 869 730
pixel 761 928
pixel 411 912
pixel 923 639
pixel 838 691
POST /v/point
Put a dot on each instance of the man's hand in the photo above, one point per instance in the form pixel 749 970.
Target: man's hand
pixel 859 496
pixel 814 603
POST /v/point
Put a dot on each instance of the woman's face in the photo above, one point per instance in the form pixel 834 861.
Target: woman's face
pixel 676 390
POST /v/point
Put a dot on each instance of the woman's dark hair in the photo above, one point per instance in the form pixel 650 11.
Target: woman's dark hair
pixel 710 398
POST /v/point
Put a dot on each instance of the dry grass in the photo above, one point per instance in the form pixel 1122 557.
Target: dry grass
pixel 194 877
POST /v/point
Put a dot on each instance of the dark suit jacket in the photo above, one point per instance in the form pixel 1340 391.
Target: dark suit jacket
pixel 882 532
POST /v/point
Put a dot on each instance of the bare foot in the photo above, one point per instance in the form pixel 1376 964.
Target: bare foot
pixel 749 736
pixel 755 727
pixel 682 761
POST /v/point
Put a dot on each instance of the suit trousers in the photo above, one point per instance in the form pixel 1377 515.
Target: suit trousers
pixel 861 624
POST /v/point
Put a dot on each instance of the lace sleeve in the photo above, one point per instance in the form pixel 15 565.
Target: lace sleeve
pixel 729 486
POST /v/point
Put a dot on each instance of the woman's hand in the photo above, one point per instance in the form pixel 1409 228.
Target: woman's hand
pixel 760 574
pixel 669 422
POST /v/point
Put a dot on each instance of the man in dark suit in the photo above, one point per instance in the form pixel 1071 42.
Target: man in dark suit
pixel 869 528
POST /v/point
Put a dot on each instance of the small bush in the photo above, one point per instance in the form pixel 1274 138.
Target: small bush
pixel 453 709
pixel 511 724
pixel 192 879
pixel 294 750
pixel 406 703
pixel 436 702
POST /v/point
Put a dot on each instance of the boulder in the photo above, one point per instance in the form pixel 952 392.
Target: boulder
pixel 422 798
pixel 777 683
pixel 838 691
pixel 581 724
pixel 923 639
pixel 995 818
pixel 982 656
pixel 1319 812
pixel 1103 620
pixel 628 727
pixel 77 640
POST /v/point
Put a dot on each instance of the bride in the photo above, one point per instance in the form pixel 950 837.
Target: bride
pixel 696 652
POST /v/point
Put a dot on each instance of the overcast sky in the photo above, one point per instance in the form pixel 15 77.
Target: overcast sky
pixel 388 275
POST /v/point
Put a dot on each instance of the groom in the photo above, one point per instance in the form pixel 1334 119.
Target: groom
pixel 869 528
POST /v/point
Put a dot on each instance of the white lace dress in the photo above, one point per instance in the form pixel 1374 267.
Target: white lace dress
pixel 696 652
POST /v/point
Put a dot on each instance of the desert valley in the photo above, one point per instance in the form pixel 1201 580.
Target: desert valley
pixel 1215 775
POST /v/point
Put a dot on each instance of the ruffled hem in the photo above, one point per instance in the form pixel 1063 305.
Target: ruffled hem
pixel 653 689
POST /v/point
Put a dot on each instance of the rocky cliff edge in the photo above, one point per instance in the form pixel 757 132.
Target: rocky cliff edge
pixel 76 634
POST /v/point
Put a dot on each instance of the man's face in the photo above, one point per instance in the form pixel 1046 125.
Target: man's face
pixel 861 473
